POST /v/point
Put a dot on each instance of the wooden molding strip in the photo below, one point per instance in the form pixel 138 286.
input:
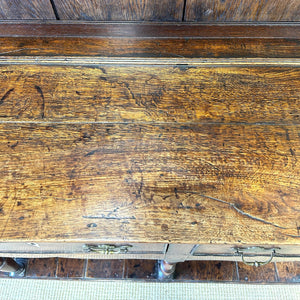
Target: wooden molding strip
pixel 150 40
pixel 150 30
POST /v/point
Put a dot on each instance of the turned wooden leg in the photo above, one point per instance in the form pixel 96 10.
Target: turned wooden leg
pixel 166 270
pixel 9 265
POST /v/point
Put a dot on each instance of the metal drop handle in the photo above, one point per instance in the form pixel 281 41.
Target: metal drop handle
pixel 257 263
pixel 107 249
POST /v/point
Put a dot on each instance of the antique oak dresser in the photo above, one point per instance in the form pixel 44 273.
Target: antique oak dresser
pixel 165 130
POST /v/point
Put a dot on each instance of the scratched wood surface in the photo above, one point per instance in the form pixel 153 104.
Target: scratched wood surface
pixel 242 10
pixel 135 94
pixel 186 154
pixel 26 10
pixel 120 10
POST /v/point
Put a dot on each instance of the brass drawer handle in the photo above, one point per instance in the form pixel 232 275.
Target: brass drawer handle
pixel 255 263
pixel 107 249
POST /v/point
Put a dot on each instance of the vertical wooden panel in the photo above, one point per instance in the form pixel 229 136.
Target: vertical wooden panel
pixel 140 269
pixel 289 271
pixel 206 270
pixel 42 268
pixel 70 268
pixel 253 274
pixel 105 268
pixel 26 10
pixel 242 10
pixel 120 10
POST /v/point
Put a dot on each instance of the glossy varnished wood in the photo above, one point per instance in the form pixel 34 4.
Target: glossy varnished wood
pixel 69 29
pixel 70 268
pixel 265 273
pixel 42 268
pixel 137 93
pixel 140 269
pixel 120 10
pixel 206 270
pixel 150 47
pixel 149 40
pixel 113 269
pixel 150 150
pixel 242 10
pixel 26 10
pixel 169 182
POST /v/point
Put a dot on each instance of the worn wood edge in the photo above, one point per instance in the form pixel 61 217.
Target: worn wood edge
pixel 149 29
pixel 82 255
pixel 146 256
pixel 150 23
pixel 143 47
pixel 151 47
pixel 90 61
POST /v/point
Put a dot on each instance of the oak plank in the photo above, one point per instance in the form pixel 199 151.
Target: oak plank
pixel 70 268
pixel 206 270
pixel 112 269
pixel 150 40
pixel 26 10
pixel 288 272
pixel 42 268
pixel 265 273
pixel 290 30
pixel 129 93
pixel 171 183
pixel 140 269
pixel 120 10
pixel 154 47
pixel 242 10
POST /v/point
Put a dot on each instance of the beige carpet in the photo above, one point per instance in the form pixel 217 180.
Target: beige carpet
pixel 23 289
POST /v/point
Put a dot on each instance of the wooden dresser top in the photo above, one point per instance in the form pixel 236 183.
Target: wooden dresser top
pixel 171 139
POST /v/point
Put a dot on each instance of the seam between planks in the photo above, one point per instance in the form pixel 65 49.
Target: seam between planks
pixel 199 62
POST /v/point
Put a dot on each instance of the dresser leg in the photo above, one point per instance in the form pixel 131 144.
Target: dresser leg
pixel 15 268
pixel 166 270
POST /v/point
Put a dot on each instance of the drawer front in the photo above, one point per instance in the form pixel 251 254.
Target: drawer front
pixel 249 254
pixel 246 251
pixel 102 249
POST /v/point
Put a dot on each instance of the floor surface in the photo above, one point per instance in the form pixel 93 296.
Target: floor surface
pixel 209 271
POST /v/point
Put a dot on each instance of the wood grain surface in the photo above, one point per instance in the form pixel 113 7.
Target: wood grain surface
pixel 140 269
pixel 168 183
pixel 112 269
pixel 150 150
pixel 134 94
pixel 206 271
pixel 149 30
pixel 149 40
pixel 42 268
pixel 26 10
pixel 120 10
pixel 242 10
pixel 70 268
pixel 170 180
pixel 145 47
pixel 288 272
pixel 265 273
